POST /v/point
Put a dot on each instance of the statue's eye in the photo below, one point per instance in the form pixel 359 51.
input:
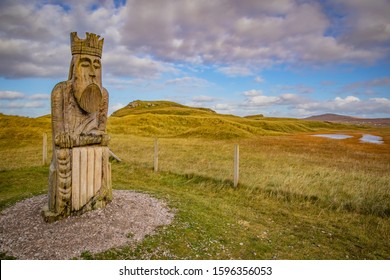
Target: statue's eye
pixel 96 65
pixel 85 64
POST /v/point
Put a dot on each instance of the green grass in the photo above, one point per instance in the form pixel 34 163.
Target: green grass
pixel 299 197
pixel 21 183
pixel 216 221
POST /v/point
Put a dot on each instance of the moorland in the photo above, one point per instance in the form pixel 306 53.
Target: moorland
pixel 298 197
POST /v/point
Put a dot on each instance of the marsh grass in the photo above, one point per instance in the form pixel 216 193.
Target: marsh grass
pixel 338 175
pixel 299 196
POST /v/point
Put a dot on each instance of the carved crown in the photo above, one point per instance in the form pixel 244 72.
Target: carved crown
pixel 91 45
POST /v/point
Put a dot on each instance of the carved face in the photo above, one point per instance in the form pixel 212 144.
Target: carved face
pixel 87 82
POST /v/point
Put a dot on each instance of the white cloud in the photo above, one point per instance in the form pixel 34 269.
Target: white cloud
pixel 256 98
pixel 365 22
pixel 347 100
pixel 303 106
pixel 378 82
pixel 252 92
pixel 192 82
pixel 202 101
pixel 349 105
pixel 203 98
pixel 238 33
pixel 115 107
pixel 13 101
pixel 381 100
pixel 35 39
pixel 20 105
pixel 259 80
pixel 122 62
pixel 299 105
pixel 262 100
pixel 235 71
pixel 224 108
pixel 329 50
pixel 35 104
pixel 123 83
pixel 40 96
pixel 291 99
pixel 299 88
pixel 144 38
pixel 29 41
pixel 10 95
pixel 244 33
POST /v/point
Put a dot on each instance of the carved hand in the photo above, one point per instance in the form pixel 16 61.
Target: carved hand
pixel 92 138
pixel 63 140
pixel 105 139
pixel 66 140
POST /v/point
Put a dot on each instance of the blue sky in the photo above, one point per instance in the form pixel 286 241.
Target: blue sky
pixel 287 58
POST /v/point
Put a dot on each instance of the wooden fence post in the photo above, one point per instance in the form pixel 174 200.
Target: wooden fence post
pixel 155 155
pixel 236 164
pixel 44 149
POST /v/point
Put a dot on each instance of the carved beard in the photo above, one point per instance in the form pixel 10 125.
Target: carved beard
pixel 90 98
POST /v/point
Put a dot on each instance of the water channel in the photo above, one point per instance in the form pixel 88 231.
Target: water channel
pixel 366 138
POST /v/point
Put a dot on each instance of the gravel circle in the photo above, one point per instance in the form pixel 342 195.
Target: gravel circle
pixel 126 220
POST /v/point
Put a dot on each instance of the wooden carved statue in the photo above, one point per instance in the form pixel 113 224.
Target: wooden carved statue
pixel 80 172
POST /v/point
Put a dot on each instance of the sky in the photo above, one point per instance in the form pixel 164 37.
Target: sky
pixel 284 58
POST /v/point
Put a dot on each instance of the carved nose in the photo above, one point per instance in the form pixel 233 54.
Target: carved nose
pixel 92 73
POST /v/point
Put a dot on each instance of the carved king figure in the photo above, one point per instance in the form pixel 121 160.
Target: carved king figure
pixel 80 172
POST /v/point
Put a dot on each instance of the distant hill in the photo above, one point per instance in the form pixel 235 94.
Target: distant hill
pixel 350 120
pixel 170 119
pixel 160 107
pixel 255 117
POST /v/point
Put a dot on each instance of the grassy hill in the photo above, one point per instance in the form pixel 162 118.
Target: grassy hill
pixel 22 136
pixel 160 107
pixel 16 131
pixel 169 119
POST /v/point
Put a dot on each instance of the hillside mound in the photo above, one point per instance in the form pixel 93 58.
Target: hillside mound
pixel 160 107
pixel 169 119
